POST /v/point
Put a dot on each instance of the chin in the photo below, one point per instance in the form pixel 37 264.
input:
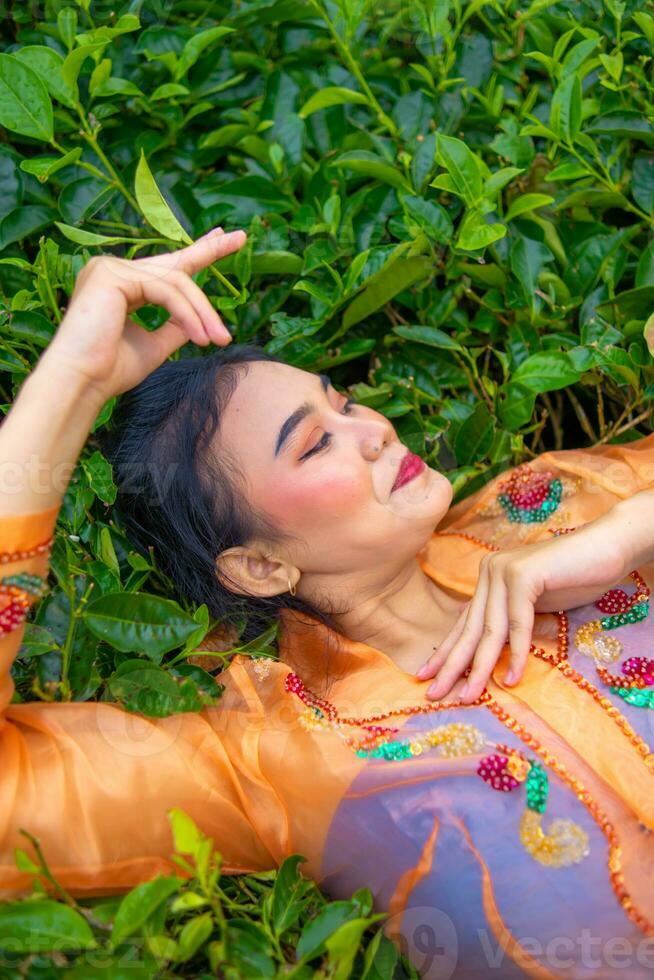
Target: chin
pixel 426 498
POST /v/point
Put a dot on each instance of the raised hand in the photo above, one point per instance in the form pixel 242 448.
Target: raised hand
pixel 98 352
pixel 111 353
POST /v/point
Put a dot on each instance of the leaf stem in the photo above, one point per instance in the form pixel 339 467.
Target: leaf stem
pixel 351 63
pixel 90 136
pixel 44 870
pixel 224 280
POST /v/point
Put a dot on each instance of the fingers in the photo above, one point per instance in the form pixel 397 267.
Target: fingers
pixel 169 337
pixel 521 627
pixel 164 293
pixel 212 323
pixel 464 647
pixel 494 630
pixel 432 665
pixel 216 244
pixel 502 607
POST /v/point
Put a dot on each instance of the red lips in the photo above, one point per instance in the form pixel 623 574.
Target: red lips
pixel 410 466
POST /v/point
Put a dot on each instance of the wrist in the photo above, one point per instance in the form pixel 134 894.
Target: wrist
pixel 60 373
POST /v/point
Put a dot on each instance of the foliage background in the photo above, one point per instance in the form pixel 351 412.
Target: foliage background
pixel 450 209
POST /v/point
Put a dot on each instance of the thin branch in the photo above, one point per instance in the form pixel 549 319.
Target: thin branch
pixel 584 421
pixel 630 425
pixel 601 421
pixel 44 870
pixel 554 418
pixel 538 431
pixel 471 294
pixel 615 428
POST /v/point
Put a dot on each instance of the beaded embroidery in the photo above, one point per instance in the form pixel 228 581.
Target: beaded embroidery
pixel 261 666
pixel 20 589
pixel 621 610
pixel 529 497
pixel 564 844
pixel 39 549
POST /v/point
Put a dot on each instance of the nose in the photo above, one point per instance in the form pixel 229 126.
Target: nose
pixel 378 433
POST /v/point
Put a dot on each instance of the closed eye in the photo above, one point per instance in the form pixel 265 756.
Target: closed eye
pixel 325 441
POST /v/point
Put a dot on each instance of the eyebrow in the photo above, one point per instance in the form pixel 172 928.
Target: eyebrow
pixel 300 413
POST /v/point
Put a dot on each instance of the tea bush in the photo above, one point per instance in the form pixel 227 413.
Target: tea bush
pixel 450 209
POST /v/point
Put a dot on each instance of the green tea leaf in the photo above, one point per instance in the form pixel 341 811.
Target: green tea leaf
pixel 45 167
pixel 82 237
pixel 186 834
pixel 99 474
pixel 48 65
pixel 192 936
pixel 366 163
pixel 148 689
pixel 622 122
pixel 324 925
pixel 430 217
pixel 72 65
pixel 475 436
pixel 500 179
pixel 288 893
pixel 342 946
pixel 631 304
pixel 154 207
pixel 140 903
pixel 527 202
pixel 25 105
pixel 139 623
pixel 462 166
pixel 565 112
pixel 332 95
pixel 546 372
pixel 394 278
pixel 39 925
pixel 195 46
pixel 476 233
pixel 431 336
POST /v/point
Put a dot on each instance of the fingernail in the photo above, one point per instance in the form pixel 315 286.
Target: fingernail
pixel 509 677
pixel 421 671
pixel 464 690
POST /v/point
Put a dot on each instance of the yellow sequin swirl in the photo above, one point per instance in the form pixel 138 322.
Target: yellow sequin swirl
pixel 565 842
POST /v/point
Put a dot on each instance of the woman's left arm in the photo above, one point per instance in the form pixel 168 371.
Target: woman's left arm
pixel 567 571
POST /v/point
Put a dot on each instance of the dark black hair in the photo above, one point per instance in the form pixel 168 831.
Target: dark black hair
pixel 181 492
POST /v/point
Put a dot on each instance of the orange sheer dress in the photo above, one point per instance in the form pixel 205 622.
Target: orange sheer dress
pixel 511 837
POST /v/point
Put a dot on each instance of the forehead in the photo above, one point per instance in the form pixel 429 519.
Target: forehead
pixel 265 395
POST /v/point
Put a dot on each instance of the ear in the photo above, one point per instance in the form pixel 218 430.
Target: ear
pixel 250 571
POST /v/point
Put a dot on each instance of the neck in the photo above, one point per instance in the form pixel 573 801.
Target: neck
pixel 405 615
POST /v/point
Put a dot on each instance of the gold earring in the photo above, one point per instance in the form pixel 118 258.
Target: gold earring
pixel 291 588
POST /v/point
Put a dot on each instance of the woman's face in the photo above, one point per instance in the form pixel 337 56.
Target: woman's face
pixel 322 469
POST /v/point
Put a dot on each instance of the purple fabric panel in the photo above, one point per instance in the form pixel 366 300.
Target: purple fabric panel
pixel 564 915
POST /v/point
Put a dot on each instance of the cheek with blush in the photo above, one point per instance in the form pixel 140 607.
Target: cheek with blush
pixel 328 495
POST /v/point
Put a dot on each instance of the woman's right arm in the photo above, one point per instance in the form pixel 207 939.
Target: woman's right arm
pixel 98 352
pixel 91 781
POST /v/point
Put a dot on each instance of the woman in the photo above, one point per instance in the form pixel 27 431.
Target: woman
pixel 259 485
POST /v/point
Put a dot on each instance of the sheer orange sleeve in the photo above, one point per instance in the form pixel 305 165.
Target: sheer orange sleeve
pixel 94 783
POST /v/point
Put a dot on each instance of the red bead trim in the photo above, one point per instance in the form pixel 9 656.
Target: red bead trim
pixel 468 537
pixel 39 549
